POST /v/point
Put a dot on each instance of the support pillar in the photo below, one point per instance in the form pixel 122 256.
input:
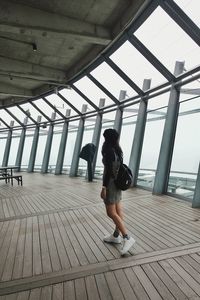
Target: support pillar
pixel 196 198
pixel 31 163
pixel 21 146
pixel 47 151
pixel 136 150
pixel 61 152
pixel 77 147
pixel 97 134
pixel 167 145
pixel 119 113
pixel 7 147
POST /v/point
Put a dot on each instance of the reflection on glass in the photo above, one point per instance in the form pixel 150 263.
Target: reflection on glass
pixel 54 152
pixel 71 138
pixel 13 150
pixel 26 151
pixel 186 156
pixel 40 152
pixel 168 42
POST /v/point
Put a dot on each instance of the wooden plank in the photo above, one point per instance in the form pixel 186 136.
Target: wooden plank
pixel 113 286
pixel 55 261
pixel 91 287
pixel 46 293
pixel 6 245
pixel 64 260
pixel 135 284
pixel 35 294
pixel 73 260
pixel 37 264
pixel 28 250
pixel 19 257
pixel 146 283
pixel 23 295
pixel 80 289
pixel 174 289
pixel 125 285
pixel 9 261
pixel 72 237
pixel 157 282
pixel 103 288
pixel 184 287
pixel 57 293
pixel 69 290
pixel 45 256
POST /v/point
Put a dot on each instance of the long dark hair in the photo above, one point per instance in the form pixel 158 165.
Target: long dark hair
pixel 111 142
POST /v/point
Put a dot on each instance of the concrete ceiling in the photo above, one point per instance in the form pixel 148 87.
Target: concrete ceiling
pixel 67 34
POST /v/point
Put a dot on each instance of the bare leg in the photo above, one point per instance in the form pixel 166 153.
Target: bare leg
pixel 112 213
pixel 119 210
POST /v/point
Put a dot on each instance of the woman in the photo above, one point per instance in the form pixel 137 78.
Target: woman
pixel 112 156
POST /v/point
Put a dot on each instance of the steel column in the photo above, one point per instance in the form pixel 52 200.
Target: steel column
pixel 166 149
pixel 8 144
pixel 77 147
pixel 21 146
pixel 31 163
pixel 119 113
pixel 47 151
pixel 136 151
pixel 97 134
pixel 196 198
pixel 61 152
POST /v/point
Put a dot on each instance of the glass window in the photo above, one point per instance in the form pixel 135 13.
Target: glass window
pixel 34 113
pixel 150 150
pixel 54 151
pixel 75 99
pixel 44 107
pixel 14 148
pixel 60 105
pixel 136 66
pixel 3 138
pixel 191 8
pixel 27 150
pixel 168 42
pixel 19 114
pixel 112 81
pixel 87 87
pixel 40 150
pixel 186 155
pixel 71 139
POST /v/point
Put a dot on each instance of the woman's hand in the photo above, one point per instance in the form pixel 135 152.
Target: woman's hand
pixel 103 193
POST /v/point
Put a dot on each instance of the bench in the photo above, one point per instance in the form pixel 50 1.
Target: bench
pixel 9 177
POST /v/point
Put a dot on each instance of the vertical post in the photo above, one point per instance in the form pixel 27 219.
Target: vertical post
pixel 136 151
pixel 8 144
pixel 77 147
pixel 31 163
pixel 97 134
pixel 196 198
pixel 166 149
pixel 61 152
pixel 21 146
pixel 47 151
pixel 119 113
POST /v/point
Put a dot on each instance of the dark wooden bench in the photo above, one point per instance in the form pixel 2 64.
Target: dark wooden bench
pixel 9 178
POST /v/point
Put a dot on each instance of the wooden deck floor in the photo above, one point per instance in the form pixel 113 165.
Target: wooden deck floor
pixel 51 247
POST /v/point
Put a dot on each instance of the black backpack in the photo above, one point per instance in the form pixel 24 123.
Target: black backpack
pixel 124 177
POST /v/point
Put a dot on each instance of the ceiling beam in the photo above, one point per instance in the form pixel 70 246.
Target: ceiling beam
pixel 11 90
pixel 17 68
pixel 21 19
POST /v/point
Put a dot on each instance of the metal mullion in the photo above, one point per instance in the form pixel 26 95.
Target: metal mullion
pixel 180 17
pixel 150 57
pixel 68 103
pixel 13 116
pixel 84 97
pixel 17 105
pixel 40 111
pixel 53 107
pixel 5 123
pixel 123 75
pixel 103 88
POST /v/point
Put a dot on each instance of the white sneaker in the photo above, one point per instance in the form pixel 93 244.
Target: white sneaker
pixel 112 239
pixel 127 244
